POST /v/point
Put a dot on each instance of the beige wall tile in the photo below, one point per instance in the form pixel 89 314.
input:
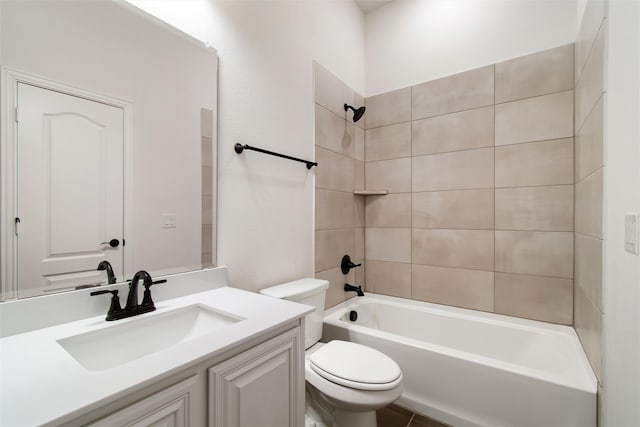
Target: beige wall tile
pixel 453 132
pixel 358 142
pixel 391 175
pixel 590 142
pixel 592 19
pixel 330 91
pixel 206 259
pixel 536 163
pixel 207 210
pixel 388 108
pixel 359 102
pixel 462 170
pixel 206 123
pixel 588 325
pixel 388 244
pixel 392 210
pixel 535 208
pixel 536 74
pixel 588 267
pixel 333 132
pixel 453 286
pixel 540 253
pixel 334 209
pixel 591 83
pixel 206 151
pixel 331 246
pixel 389 278
pixel 464 209
pixel 600 403
pixel 334 171
pixel 359 242
pixel 359 211
pixel 472 249
pixel 207 181
pixel 388 142
pixel 458 92
pixel 207 238
pixel 588 204
pixel 535 119
pixel 359 274
pixel 335 293
pixel 534 297
pixel 358 175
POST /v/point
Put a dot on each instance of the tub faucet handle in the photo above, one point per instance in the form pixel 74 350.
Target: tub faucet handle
pixel 347 265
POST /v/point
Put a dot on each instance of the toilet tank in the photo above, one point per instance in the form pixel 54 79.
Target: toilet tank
pixel 305 291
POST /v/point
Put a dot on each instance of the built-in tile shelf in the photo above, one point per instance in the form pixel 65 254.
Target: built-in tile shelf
pixel 370 192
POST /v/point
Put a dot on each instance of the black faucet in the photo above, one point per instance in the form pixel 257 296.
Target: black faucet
pixel 132 308
pixel 106 265
pixel 357 289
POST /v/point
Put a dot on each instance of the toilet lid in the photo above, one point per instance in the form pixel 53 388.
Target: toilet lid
pixel 355 366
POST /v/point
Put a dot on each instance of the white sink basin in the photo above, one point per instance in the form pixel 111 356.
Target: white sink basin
pixel 123 342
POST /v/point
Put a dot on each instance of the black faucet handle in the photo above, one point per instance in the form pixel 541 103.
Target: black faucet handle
pixel 155 282
pixel 115 307
pixel 147 301
pixel 346 264
pixel 114 292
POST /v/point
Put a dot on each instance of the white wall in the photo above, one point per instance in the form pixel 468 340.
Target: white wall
pixel 265 204
pixel 412 41
pixel 621 353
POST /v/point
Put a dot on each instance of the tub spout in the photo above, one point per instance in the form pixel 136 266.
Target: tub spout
pixel 357 289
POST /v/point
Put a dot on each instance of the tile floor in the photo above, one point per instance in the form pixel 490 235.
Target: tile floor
pixel 395 416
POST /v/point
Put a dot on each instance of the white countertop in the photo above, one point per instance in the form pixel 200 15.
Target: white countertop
pixel 41 383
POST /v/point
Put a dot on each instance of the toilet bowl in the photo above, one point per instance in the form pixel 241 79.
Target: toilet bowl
pixel 353 380
pixel 346 382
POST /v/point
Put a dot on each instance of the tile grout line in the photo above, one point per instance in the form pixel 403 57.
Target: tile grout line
pixel 465 109
pixel 494 146
pixel 411 419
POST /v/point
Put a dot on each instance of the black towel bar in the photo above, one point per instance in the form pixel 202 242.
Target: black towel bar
pixel 239 148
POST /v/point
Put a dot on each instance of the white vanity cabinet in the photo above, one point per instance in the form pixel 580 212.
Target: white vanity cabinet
pixel 259 387
pixel 260 383
pixel 170 407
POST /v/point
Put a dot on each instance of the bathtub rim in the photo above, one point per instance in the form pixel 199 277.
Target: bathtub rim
pixel 586 381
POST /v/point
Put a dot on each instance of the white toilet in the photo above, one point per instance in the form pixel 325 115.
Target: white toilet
pixel 347 382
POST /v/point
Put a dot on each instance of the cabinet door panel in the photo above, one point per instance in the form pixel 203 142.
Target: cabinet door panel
pixel 168 408
pixel 260 387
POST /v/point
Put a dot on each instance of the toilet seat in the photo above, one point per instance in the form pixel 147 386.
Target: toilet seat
pixel 355 366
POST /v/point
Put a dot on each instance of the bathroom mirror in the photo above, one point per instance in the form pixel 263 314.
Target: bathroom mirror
pixel 78 79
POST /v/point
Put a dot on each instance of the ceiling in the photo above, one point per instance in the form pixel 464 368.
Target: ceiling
pixel 368 5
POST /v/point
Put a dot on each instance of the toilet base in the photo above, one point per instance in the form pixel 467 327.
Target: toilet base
pixel 320 410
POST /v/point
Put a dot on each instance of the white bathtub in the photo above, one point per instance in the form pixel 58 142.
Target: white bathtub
pixel 469 368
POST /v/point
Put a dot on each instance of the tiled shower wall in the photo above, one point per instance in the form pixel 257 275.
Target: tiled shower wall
pixel 208 251
pixel 590 100
pixel 339 214
pixel 479 169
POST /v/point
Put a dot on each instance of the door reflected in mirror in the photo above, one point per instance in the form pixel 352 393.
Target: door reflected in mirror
pixel 110 136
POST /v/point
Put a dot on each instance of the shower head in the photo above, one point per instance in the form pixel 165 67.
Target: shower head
pixel 357 112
